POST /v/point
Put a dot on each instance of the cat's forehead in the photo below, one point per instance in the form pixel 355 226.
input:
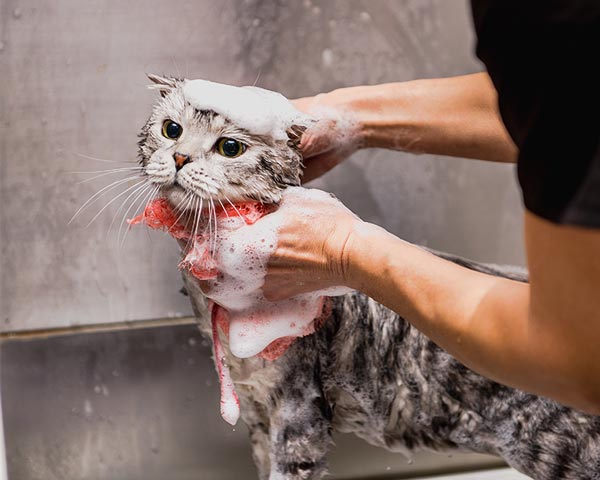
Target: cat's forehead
pixel 256 110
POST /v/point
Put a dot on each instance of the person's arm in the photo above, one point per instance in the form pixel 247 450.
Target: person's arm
pixel 541 337
pixel 455 116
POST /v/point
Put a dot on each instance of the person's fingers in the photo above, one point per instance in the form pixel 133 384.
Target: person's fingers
pixel 317 165
pixel 317 138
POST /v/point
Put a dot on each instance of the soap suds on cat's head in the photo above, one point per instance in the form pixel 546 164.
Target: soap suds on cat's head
pixel 264 122
pixel 259 111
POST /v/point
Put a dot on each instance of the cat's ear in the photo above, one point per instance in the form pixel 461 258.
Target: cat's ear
pixel 163 84
pixel 294 134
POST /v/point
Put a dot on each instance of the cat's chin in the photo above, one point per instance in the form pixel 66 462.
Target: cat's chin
pixel 176 195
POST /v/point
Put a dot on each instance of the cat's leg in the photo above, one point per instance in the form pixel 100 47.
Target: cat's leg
pixel 256 418
pixel 199 302
pixel 300 417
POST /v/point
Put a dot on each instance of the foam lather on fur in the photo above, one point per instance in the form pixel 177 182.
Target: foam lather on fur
pixel 235 269
pixel 259 111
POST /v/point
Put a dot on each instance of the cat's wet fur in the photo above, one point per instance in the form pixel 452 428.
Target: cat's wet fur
pixel 369 372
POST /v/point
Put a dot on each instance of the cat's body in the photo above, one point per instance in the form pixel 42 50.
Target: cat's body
pixel 368 371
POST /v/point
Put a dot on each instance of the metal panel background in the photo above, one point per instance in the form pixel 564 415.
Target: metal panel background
pixel 143 404
pixel 73 86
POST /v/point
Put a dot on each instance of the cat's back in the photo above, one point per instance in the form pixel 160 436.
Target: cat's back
pixel 395 388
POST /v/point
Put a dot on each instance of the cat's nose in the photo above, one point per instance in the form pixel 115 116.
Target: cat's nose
pixel 180 160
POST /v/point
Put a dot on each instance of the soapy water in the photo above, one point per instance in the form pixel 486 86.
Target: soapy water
pixel 234 271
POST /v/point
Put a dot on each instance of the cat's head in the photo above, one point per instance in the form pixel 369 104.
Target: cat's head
pixel 214 141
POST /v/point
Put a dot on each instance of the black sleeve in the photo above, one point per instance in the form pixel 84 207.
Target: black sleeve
pixel 544 59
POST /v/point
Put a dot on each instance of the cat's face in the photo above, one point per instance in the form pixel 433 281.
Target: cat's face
pixel 190 153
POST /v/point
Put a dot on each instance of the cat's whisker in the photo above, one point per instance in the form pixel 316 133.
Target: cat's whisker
pixel 223 207
pixel 183 210
pixel 146 198
pixel 257 77
pixel 182 206
pixel 131 206
pixel 96 159
pixel 101 192
pixel 216 241
pixel 110 170
pixel 196 221
pixel 113 172
pixel 144 203
pixel 141 182
pixel 122 206
pixel 176 67
pixel 209 224
pixel 190 208
pixel 200 211
pixel 199 217
pixel 234 207
pixel 192 219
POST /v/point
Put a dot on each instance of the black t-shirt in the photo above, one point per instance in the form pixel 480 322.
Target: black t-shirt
pixel 544 59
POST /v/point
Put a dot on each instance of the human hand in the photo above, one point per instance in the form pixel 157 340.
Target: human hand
pixel 299 248
pixel 337 133
pixel 314 231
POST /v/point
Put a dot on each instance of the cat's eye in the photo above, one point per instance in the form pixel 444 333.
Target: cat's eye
pixel 171 130
pixel 229 147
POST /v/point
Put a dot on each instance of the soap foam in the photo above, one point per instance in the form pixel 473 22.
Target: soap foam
pixel 259 111
pixel 234 271
pixel 230 403
pixel 242 256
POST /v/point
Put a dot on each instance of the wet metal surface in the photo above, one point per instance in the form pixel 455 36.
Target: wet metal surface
pixel 143 404
pixel 73 89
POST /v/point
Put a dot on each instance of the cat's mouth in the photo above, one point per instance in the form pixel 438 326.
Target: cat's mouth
pixel 179 197
pixel 185 200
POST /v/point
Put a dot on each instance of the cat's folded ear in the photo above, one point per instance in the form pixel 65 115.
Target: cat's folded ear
pixel 163 84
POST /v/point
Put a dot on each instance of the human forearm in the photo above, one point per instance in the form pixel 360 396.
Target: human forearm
pixel 483 321
pixel 541 337
pixel 455 116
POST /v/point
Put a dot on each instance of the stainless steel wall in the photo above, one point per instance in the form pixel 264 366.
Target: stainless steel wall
pixel 73 86
pixel 143 404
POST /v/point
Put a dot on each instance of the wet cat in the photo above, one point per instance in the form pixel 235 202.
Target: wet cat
pixel 366 370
